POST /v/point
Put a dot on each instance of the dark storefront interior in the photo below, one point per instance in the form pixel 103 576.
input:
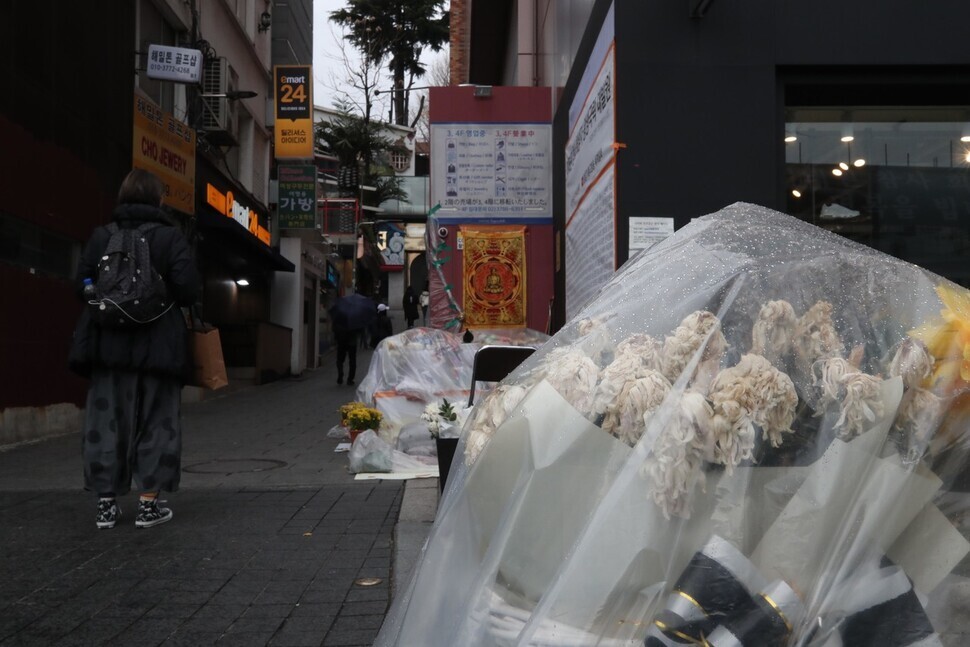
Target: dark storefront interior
pixel 893 175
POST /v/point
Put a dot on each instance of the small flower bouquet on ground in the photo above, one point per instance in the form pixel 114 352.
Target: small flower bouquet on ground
pixel 357 417
pixel 345 410
pixel 441 419
pixel 361 418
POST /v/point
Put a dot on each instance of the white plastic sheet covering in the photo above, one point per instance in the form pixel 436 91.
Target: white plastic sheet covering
pixel 421 366
pixel 756 434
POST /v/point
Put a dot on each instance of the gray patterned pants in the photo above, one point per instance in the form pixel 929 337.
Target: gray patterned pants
pixel 132 430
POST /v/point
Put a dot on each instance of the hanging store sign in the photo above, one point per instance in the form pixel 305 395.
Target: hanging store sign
pixel 163 145
pixel 174 64
pixel 297 196
pixel 227 204
pixel 390 241
pixel 293 101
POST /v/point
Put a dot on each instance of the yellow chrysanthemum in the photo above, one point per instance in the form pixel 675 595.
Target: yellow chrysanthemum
pixel 364 418
pixel 949 340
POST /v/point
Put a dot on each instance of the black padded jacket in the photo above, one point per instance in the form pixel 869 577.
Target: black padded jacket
pixel 161 346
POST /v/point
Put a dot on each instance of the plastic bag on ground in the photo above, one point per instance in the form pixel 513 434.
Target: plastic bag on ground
pixel 421 366
pixel 370 454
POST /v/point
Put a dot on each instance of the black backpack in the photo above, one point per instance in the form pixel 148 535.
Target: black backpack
pixel 128 291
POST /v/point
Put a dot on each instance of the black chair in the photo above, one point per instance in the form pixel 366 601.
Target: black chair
pixel 494 362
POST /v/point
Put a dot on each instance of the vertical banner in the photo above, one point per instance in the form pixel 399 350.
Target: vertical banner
pixel 590 234
pixel 297 204
pixel 494 287
pixel 293 102
pixel 165 146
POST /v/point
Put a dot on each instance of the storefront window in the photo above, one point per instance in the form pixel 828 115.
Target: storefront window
pixel 894 178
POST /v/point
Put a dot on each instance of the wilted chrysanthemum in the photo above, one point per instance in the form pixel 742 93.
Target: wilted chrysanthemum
pixel 857 394
pixel 772 333
pixel 816 337
pixel 699 332
pixel 674 465
pixel 756 392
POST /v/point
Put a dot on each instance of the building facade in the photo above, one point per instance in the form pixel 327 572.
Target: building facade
pixel 850 117
pixel 85 111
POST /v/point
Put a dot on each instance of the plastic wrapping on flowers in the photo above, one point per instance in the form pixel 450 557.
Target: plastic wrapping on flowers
pixel 756 434
pixel 423 366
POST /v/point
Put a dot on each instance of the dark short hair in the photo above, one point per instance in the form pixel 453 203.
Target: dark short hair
pixel 141 187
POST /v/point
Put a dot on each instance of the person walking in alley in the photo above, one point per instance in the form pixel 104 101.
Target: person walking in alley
pixel 425 300
pixel 136 369
pixel 346 340
pixel 410 305
pixel 382 327
pixel 351 315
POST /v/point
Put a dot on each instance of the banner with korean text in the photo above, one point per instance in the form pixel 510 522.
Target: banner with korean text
pixel 165 146
pixel 590 256
pixel 297 196
pixel 494 276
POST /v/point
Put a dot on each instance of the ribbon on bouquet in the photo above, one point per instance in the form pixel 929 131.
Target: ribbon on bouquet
pixel 713 604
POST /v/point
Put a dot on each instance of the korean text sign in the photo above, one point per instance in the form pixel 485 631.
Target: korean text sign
pixel 297 196
pixel 165 146
pixel 293 101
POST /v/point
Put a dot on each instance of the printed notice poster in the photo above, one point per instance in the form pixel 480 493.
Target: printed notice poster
pixel 492 170
pixel 590 245
pixel 647 232
pixel 589 254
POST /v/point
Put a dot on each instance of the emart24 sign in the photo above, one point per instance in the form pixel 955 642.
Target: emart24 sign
pixel 293 100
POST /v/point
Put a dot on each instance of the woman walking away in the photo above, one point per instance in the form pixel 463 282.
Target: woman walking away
pixel 136 366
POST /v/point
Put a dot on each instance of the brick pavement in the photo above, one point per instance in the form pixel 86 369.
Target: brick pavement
pixel 269 545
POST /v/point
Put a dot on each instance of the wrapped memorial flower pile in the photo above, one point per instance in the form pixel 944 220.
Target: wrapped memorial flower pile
pixel 422 366
pixel 757 434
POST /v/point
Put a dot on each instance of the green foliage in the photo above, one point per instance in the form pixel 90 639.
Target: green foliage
pixel 360 143
pixel 398 30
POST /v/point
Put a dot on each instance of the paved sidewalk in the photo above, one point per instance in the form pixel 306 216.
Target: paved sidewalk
pixel 272 543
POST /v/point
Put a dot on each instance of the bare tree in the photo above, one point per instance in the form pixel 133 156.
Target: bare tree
pixel 357 81
pixel 439 75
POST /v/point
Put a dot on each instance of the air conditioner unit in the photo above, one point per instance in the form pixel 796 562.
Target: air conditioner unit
pixel 215 81
pixel 218 117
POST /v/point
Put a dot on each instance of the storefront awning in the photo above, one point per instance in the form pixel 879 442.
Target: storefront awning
pixel 234 246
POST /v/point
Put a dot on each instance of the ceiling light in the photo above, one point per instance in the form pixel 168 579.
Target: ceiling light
pixel 242 282
pixel 843 166
pixel 968 157
pixel 965 138
pixel 848 138
pixel 837 172
pixel 859 163
pixel 791 138
pixel 796 193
